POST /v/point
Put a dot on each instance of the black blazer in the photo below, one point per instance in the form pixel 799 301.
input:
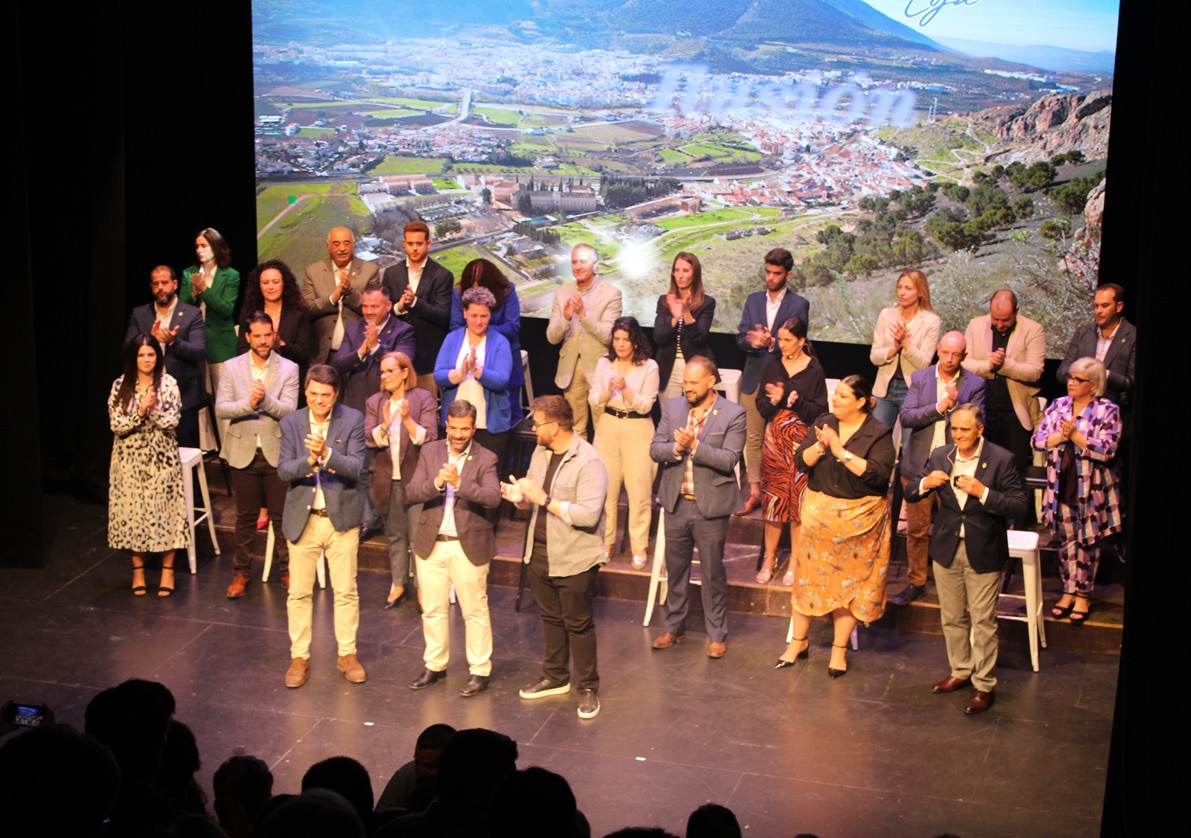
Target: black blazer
pixel 295 336
pixel 1119 361
pixel 432 314
pixel 984 523
pixel 695 336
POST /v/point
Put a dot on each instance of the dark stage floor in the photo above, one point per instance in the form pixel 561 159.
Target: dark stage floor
pixel 791 751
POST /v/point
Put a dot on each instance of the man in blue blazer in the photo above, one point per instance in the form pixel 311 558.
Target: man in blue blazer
pixel 698 445
pixel 934 393
pixel 979 490
pixel 764 312
pixel 179 330
pixel 322 457
pixel 1119 339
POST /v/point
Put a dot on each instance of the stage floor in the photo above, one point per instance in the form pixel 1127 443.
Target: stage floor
pixel 791 751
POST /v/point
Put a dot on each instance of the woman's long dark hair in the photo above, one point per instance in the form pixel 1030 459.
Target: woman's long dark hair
pixel 127 391
pixel 641 350
pixel 797 327
pixel 485 273
pixel 219 246
pixel 862 389
pixel 291 294
pixel 691 259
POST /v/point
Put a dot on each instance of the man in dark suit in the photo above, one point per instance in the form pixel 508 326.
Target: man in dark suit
pixel 179 329
pixel 1111 339
pixel 366 341
pixel 764 312
pixel 331 290
pixel 934 393
pixel 979 489
pixel 322 457
pixel 420 289
pixel 698 445
pixel 256 391
pixel 457 482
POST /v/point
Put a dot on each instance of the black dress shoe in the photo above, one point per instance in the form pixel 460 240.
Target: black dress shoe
pixel 366 532
pixel 475 685
pixel 427 678
pixel 908 594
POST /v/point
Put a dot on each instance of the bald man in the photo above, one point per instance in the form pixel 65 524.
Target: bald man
pixel 1008 351
pixel 332 292
pixel 934 393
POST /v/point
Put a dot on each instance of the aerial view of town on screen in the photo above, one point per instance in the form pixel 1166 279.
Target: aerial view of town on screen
pixel 864 137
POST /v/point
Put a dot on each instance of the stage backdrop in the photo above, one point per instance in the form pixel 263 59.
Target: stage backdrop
pixel 964 137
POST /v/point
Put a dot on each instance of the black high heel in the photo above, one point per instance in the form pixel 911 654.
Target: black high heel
pixel 164 590
pixel 139 590
pixel 805 654
pixel 832 671
pixel 1060 612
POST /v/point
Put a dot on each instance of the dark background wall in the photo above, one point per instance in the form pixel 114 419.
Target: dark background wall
pixel 133 132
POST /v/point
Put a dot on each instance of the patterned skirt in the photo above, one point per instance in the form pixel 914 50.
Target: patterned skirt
pixel 843 556
pixel 781 481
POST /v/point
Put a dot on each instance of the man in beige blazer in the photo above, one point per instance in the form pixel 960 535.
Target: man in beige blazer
pixel 581 320
pixel 331 291
pixel 1008 351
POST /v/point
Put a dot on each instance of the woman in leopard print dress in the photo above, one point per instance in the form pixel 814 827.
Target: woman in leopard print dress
pixel 146 507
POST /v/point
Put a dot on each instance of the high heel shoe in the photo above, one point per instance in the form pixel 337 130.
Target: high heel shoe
pixel 139 590
pixel 768 567
pixel 1061 611
pixel 832 671
pixel 397 600
pixel 805 654
pixel 1078 618
pixel 164 590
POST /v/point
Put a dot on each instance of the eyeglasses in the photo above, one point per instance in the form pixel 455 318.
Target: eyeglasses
pixel 537 425
pixel 1080 380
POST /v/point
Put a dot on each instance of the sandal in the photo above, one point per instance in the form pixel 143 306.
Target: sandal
pixel 765 574
pixel 1061 611
pixel 788 579
pixel 138 590
pixel 164 590
pixel 1078 618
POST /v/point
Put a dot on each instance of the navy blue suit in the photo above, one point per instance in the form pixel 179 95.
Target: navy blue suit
pixel 754 312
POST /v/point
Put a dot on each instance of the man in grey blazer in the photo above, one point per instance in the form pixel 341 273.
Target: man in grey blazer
pixel 764 313
pixel 256 391
pixel 456 481
pixel 179 330
pixel 1111 339
pixel 331 290
pixel 581 320
pixel 933 394
pixel 420 290
pixel 698 445
pixel 322 457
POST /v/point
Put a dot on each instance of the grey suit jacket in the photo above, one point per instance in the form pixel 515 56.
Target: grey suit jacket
pixel 717 491
pixel 339 476
pixel 792 305
pixel 920 413
pixel 479 490
pixel 184 357
pixel 591 340
pixel 233 402
pixel 431 316
pixel 317 286
pixel 984 524
pixel 1119 361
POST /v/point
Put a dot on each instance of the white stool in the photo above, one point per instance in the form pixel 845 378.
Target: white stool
pixel 192 460
pixel 730 379
pixel 320 569
pixel 1023 544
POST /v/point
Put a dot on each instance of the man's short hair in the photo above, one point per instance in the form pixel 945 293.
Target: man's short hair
pixel 461 408
pixel 434 738
pixel 378 288
pixel 706 363
pixel 595 256
pixel 781 257
pixel 173 274
pixel 323 374
pixel 1118 293
pixel 260 317
pixel 976 410
pixel 556 409
pixel 417 227
pixel 999 292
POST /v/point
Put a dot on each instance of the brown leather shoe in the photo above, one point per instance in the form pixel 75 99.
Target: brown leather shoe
pixel 665 640
pixel 285 580
pixel 716 649
pixel 352 669
pixel 298 672
pixel 979 702
pixel 750 503
pixel 238 586
pixel 950 684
